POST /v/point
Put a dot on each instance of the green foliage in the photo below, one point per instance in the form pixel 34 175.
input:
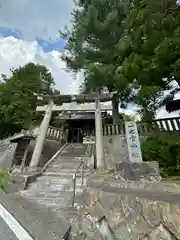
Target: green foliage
pixel 17 97
pixel 80 236
pixel 4 179
pixel 127 117
pixel 164 149
pixel 125 46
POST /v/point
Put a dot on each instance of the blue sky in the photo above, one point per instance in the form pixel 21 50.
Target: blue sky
pixel 6 32
pixel 47 45
pixel 39 21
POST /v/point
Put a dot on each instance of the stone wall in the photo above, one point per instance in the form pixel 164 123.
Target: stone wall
pixel 145 171
pixel 144 214
pixel 115 149
pixel 116 146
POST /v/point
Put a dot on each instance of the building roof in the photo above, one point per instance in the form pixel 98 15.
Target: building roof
pixel 173 105
pixel 28 134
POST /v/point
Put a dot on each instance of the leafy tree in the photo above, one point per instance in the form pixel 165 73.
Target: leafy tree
pixel 153 28
pixel 17 97
pixel 126 46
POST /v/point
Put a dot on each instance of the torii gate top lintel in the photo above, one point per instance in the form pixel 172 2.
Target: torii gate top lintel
pixel 81 102
pixel 80 98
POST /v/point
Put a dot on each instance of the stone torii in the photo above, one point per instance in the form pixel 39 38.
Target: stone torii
pixel 55 103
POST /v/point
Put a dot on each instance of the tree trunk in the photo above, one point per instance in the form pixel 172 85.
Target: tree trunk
pixel 115 112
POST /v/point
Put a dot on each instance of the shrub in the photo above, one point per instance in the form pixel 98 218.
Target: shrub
pixel 4 179
pixel 165 150
pixel 80 236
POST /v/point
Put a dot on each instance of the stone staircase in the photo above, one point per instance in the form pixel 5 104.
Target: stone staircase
pixel 54 189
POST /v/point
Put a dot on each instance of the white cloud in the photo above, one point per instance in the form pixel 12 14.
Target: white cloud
pixel 36 18
pixel 162 113
pixel 14 53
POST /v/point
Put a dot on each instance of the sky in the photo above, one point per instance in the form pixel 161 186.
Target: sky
pixel 30 33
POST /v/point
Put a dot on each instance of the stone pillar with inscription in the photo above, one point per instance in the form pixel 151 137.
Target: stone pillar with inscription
pixel 135 169
pixel 133 143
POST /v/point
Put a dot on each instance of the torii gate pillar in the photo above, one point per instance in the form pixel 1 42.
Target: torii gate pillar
pixel 99 136
pixel 41 137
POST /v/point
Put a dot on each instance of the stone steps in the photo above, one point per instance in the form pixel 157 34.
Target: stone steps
pixel 64 160
pixel 63 166
pixel 54 189
pixel 59 186
pixel 66 174
pixel 72 170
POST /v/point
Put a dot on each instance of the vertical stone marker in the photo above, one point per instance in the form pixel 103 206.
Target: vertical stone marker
pixel 134 148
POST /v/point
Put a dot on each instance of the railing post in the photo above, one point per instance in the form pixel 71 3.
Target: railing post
pixel 74 189
pixel 82 175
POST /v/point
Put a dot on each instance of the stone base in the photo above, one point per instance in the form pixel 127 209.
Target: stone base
pixel 148 171
pixel 20 181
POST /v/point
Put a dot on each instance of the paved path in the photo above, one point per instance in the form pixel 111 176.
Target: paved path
pixel 5 232
pixel 10 228
pixel 25 220
pixel 171 197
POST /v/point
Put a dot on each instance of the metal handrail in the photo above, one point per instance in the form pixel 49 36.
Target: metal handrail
pixel 81 166
pixel 74 179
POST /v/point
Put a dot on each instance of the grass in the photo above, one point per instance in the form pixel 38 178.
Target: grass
pixel 173 179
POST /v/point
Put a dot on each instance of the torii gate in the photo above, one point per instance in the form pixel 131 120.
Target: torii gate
pixel 77 104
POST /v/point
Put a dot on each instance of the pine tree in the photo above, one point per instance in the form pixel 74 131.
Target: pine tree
pixel 126 46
